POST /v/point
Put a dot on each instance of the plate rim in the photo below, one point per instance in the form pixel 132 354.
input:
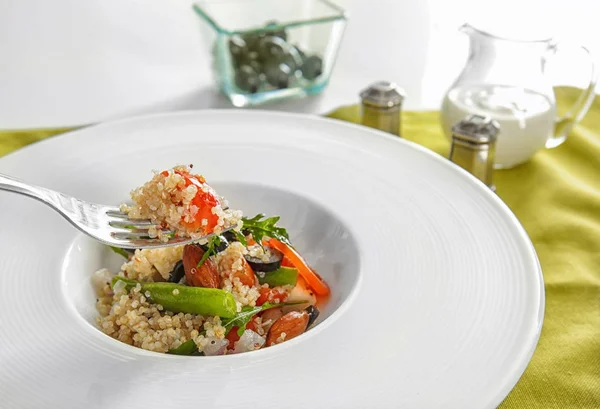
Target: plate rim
pixel 525 354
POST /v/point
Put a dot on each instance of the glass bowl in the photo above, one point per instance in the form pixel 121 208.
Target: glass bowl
pixel 264 50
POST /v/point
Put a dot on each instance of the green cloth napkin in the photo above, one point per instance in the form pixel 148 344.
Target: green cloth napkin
pixel 13 140
pixel 556 196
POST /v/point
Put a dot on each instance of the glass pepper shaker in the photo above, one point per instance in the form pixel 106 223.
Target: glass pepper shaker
pixel 474 145
pixel 381 104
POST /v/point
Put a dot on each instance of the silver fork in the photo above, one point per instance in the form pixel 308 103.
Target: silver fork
pixel 104 223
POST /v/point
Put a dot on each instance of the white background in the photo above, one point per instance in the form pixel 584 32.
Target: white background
pixel 71 62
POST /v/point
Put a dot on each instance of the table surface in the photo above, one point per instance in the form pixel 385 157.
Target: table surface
pixel 71 62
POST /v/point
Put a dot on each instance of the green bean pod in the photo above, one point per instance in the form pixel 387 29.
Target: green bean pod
pixel 180 298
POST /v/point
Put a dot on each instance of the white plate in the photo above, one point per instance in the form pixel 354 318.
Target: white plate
pixel 437 298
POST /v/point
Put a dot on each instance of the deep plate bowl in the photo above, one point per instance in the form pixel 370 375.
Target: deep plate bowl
pixel 440 291
pixel 315 232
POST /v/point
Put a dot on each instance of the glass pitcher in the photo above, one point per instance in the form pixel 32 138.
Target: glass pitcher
pixel 506 80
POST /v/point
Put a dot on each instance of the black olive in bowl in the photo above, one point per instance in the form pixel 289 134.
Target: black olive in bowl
pixel 313 314
pixel 221 247
pixel 271 264
pixel 230 236
pixel 177 273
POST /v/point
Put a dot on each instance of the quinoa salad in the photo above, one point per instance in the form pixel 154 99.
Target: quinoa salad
pixel 244 289
pixel 183 203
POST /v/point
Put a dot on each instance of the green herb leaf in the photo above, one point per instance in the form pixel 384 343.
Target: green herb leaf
pixel 240 237
pixel 213 243
pixel 187 348
pixel 260 226
pixel 119 251
pixel 245 316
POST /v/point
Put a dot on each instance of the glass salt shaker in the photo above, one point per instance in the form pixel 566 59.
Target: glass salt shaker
pixel 381 104
pixel 474 145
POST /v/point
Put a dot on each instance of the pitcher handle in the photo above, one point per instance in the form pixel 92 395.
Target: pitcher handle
pixel 564 124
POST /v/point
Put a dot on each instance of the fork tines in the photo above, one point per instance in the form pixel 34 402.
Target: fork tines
pixel 131 229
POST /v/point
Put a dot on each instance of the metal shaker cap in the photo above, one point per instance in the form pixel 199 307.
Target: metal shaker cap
pixel 476 129
pixel 383 94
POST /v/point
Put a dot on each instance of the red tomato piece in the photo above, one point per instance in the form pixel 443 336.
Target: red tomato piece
pixel 272 295
pixel 204 201
pixel 233 336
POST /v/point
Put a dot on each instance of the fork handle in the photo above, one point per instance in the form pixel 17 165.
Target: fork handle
pixel 11 184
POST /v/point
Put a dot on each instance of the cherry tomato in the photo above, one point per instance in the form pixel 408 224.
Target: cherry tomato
pixel 272 295
pixel 204 201
pixel 233 336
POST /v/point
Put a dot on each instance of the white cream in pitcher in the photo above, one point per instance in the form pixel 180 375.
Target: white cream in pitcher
pixel 526 118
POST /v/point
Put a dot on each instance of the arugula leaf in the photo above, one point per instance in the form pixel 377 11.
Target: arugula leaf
pixel 240 237
pixel 120 251
pixel 187 348
pixel 213 243
pixel 245 316
pixel 260 226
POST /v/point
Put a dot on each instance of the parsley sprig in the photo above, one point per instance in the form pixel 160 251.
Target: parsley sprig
pixel 213 243
pixel 245 316
pixel 241 320
pixel 187 348
pixel 260 226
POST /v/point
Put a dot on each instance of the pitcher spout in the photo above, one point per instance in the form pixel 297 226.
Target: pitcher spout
pixel 466 28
